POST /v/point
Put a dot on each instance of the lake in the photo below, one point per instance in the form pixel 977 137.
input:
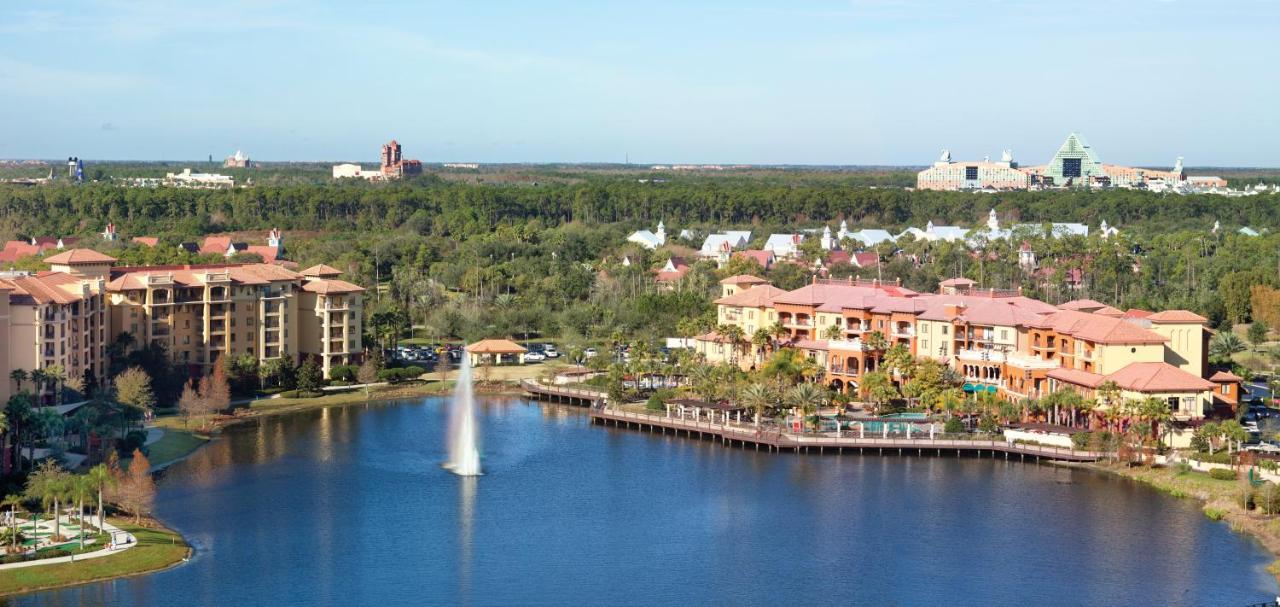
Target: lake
pixel 349 506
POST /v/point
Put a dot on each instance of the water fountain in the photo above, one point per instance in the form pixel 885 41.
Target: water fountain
pixel 463 442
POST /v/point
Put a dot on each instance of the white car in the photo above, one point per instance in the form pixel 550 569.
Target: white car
pixel 1263 448
pixel 590 353
pixel 534 357
pixel 551 351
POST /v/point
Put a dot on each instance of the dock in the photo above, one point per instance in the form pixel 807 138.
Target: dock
pixel 747 436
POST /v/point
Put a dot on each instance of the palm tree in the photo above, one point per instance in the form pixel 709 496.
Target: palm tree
pixel 1210 431
pixel 833 333
pixel 55 374
pixel 806 398
pixel 878 388
pixel 79 488
pixel 735 336
pixel 1224 345
pixel 951 400
pixel 757 397
pixel 18 376
pixel 12 501
pixel 1155 411
pixel 876 344
pixel 102 477
pixel 1232 431
pixel 38 380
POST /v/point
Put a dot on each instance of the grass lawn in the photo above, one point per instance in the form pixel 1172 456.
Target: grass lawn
pixel 156 549
pixel 174 445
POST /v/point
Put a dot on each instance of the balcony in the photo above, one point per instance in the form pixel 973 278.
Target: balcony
pixel 1015 359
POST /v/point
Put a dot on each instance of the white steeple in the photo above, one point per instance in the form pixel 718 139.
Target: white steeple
pixel 844 230
pixel 993 222
pixel 661 233
pixel 828 243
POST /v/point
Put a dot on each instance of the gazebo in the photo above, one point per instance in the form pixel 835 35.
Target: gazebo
pixel 492 351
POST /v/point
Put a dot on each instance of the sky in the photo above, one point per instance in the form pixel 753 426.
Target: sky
pixel 840 82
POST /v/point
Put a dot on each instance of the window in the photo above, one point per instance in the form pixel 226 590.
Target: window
pixel 971 173
pixel 1071 167
pixel 1004 334
pixel 944 329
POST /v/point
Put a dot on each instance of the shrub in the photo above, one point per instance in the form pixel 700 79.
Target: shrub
pixel 1214 514
pixel 1221 457
pixel 300 394
pixel 657 401
pixel 953 426
pixel 1082 440
pixel 343 373
pixel 135 439
pixel 1223 474
pixel 401 374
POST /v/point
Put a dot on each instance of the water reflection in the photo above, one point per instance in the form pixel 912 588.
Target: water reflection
pixel 348 506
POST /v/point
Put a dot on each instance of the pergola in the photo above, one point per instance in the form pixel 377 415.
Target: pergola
pixel 492 350
pixel 695 410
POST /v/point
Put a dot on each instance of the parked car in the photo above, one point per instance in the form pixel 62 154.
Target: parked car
pixel 551 351
pixel 534 357
pixel 590 353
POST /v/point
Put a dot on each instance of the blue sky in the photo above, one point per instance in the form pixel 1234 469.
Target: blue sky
pixel 743 81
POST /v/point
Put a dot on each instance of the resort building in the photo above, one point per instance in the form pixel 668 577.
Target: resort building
pixel 187 179
pixel 946 174
pixel 237 161
pixel 1074 164
pixel 200 313
pixel 1001 342
pixel 650 240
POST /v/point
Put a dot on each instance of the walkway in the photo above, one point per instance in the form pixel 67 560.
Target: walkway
pixel 748 436
pixel 562 394
pixel 123 541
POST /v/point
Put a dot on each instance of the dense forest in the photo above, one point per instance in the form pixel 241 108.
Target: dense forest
pixel 542 255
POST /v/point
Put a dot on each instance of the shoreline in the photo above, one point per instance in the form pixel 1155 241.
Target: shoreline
pixel 1213 503
pixel 159 548
pixel 104 569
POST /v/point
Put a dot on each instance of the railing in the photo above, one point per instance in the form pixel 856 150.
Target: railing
pixel 541 388
pixel 787 439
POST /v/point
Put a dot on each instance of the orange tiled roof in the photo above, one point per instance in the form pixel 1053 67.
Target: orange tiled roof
pixel 50 288
pixel 1077 377
pixel 756 297
pixel 1225 377
pixel 496 346
pixel 1177 316
pixel 1158 377
pixel 73 256
pixel 150 241
pixel 330 286
pixel 743 279
pixel 322 270
pixel 1099 328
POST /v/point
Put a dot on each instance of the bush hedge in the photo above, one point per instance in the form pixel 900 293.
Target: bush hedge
pixel 1223 474
pixel 345 373
pixel 396 376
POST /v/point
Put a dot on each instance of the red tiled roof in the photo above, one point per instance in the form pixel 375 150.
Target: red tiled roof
pixel 957 282
pixel 1136 313
pixel 1177 316
pixel 268 254
pixel 756 297
pixel 1099 328
pixel 1077 377
pixel 496 346
pixel 216 244
pixel 1225 377
pixel 866 259
pixel 764 258
pixel 1158 377
pixel 17 249
pixel 322 270
pixel 74 256
pixel 743 279
pixel 150 241
pixel 330 286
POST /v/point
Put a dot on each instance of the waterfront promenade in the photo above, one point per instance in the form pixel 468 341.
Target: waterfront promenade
pixel 923 440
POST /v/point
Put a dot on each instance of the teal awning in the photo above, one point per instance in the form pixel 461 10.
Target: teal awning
pixel 991 389
pixel 968 388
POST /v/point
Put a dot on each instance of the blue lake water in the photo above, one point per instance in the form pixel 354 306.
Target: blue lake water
pixel 349 506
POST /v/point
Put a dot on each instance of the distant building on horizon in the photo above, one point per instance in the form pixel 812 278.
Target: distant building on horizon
pixel 237 161
pixel 394 165
pixel 1074 164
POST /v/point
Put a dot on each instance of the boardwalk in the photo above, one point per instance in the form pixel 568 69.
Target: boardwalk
pixel 747 436
pixel 561 394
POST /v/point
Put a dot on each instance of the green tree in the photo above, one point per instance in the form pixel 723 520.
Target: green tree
pixel 877 387
pixel 1257 334
pixel 133 389
pixel 310 377
pixel 104 476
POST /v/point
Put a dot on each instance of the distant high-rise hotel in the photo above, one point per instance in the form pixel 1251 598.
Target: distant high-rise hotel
pixel 1075 164
pixel 394 166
